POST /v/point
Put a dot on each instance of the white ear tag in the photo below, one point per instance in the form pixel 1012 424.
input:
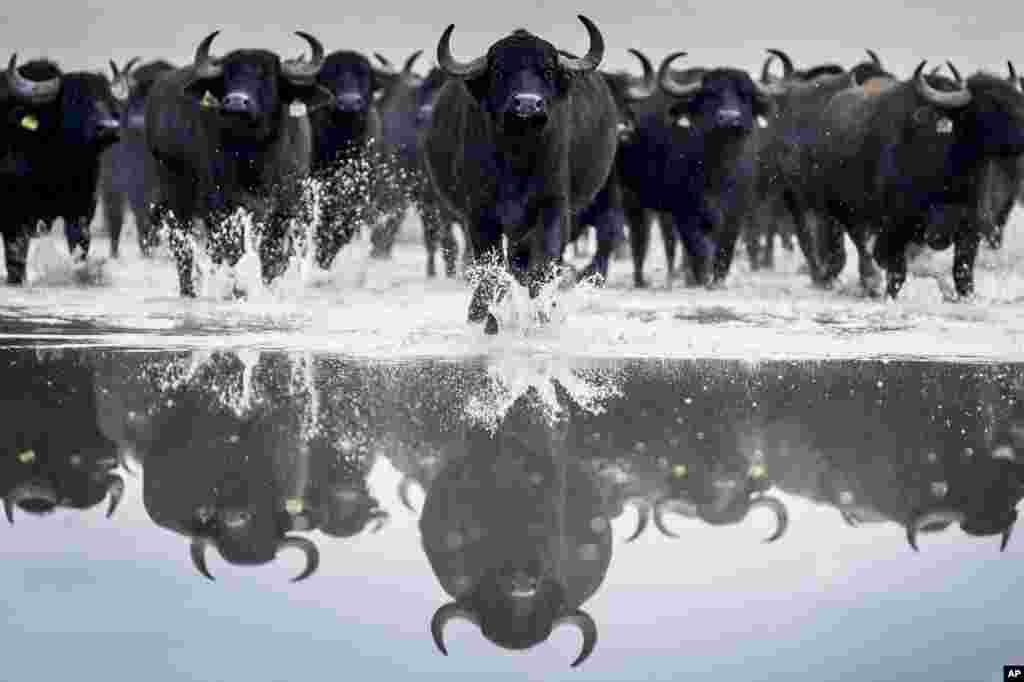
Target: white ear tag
pixel 762 122
pixel 944 126
pixel 683 121
pixel 297 109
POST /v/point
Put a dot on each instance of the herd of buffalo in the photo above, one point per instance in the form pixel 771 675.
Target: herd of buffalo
pixel 524 147
pixel 247 457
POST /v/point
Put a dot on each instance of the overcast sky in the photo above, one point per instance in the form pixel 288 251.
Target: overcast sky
pixel 85 33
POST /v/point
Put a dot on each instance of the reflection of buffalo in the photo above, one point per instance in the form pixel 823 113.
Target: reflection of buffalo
pixel 516 533
pixel 55 456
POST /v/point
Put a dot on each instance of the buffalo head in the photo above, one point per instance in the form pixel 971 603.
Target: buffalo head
pixel 250 89
pixel 522 77
pixel 720 100
pixel 41 105
pixel 352 82
pixel 131 85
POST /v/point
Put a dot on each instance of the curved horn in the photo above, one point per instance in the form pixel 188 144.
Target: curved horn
pixel 850 518
pixel 115 486
pixel 766 69
pixel 956 72
pixel 781 516
pixel 948 100
pixel 9 509
pixel 635 93
pixel 204 65
pixel 1013 78
pixel 874 58
pixel 643 511
pixel 787 63
pixel 304 73
pixel 34 91
pixel 440 620
pixel 454 68
pixel 935 70
pixel 384 61
pixel 307 547
pixel 380 519
pixel 666 83
pixel 586 624
pixel 667 504
pixel 129 65
pixel 198 552
pixel 919 521
pixel 595 53
pixel 1006 538
pixel 404 487
pixel 116 72
pixel 410 62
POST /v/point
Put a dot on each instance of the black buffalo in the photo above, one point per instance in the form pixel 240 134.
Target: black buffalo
pixel 407 109
pixel 55 126
pixel 694 157
pixel 522 138
pixel 229 133
pixel 55 455
pixel 126 170
pixel 347 151
pixel 606 213
pixel 516 533
pixel 889 157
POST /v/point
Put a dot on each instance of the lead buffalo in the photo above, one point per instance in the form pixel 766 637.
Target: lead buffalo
pixel 889 157
pixel 695 157
pixel 522 138
pixel 127 170
pixel 232 133
pixel 55 126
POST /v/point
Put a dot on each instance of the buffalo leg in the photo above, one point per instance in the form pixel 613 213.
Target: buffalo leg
pixel 699 249
pixel 639 238
pixel 146 234
pixel 798 212
pixel 179 238
pixel 78 235
pixel 113 218
pixel 965 250
pixel 487 247
pixel 890 250
pixel 16 254
pixel 870 279
pixel 668 239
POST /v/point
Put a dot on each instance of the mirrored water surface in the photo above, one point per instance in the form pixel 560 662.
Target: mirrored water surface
pixel 254 515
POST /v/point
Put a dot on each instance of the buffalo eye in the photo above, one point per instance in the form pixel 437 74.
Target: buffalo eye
pixel 549 74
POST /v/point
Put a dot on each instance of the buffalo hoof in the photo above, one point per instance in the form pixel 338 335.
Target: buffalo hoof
pixel 491 326
pixel 639 283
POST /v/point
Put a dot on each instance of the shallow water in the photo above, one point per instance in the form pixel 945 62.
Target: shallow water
pixel 501 458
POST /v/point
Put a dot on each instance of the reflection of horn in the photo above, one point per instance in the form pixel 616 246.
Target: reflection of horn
pixel 310 550
pixel 115 485
pixel 9 509
pixel 198 551
pixel 404 487
pixel 667 504
pixel 643 511
pixel 920 520
pixel 440 620
pixel 586 624
pixel 781 516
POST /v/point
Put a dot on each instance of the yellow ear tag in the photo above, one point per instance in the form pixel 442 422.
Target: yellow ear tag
pixel 944 126
pixel 297 109
pixel 679 471
pixel 30 122
pixel 26 457
pixel 294 506
pixel 758 471
pixel 209 101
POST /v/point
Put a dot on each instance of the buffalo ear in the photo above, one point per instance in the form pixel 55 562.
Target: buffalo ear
pixel 197 88
pixel 563 81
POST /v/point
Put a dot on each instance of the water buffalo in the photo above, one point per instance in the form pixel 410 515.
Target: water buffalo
pixel 694 157
pixel 407 109
pixel 127 168
pixel 516 534
pixel 346 150
pixel 56 127
pixel 606 213
pixel 228 133
pixel 55 455
pixel 521 138
pixel 228 462
pixel 889 157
